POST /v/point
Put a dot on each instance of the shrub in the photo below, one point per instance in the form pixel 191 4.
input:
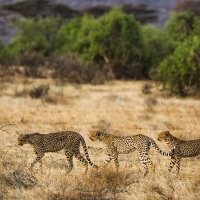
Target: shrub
pixel 114 40
pixel 4 56
pixel 34 37
pixel 73 36
pixel 182 25
pixel 67 67
pixel 109 47
pixel 158 45
pixel 117 42
pixel 179 72
pixel 73 70
pixel 1 47
pixel 105 185
pixel 146 88
pixel 16 175
pixel 40 91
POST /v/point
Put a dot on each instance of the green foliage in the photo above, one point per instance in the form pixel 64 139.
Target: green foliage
pixel 4 55
pixel 115 45
pixel 158 45
pixel 180 72
pixel 34 37
pixel 116 36
pixel 196 30
pixel 67 36
pixel 2 50
pixel 114 40
pixel 182 25
pixel 1 47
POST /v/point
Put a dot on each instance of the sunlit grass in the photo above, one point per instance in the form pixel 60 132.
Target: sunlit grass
pixel 122 108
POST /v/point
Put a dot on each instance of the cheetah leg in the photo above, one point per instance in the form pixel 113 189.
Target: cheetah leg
pixel 38 159
pixel 172 163
pixel 112 154
pixel 145 161
pixel 80 158
pixel 69 156
pixel 177 165
pixel 115 157
pixel 109 158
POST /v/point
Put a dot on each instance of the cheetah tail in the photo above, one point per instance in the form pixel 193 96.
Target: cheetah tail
pixel 86 152
pixel 159 150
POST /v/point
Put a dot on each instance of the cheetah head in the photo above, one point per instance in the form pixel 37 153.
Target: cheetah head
pixel 23 139
pixel 98 135
pixel 164 135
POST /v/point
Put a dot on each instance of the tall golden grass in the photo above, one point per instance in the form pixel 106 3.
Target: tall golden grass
pixel 121 108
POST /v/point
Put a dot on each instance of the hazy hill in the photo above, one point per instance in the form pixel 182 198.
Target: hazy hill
pixel 163 6
pixel 151 11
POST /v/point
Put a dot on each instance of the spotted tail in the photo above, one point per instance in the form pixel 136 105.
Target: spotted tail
pixel 86 152
pixel 160 151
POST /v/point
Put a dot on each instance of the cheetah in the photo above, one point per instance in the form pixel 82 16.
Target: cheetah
pixel 54 142
pixel 126 144
pixel 182 149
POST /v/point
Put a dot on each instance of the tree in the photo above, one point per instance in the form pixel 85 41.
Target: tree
pixel 158 45
pixel 180 72
pixel 4 56
pixel 181 25
pixel 114 40
pixel 34 37
pixel 73 36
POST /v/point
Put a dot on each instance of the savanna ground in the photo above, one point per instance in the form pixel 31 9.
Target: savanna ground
pixel 122 108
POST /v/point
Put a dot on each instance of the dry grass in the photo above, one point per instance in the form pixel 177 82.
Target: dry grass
pixel 117 107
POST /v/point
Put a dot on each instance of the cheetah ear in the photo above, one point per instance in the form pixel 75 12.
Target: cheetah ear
pixel 167 132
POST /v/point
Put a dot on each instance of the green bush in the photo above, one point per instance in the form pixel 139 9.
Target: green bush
pixel 114 40
pixel 4 56
pixel 158 45
pixel 34 38
pixel 73 70
pixel 114 45
pixel 73 36
pixel 2 51
pixel 182 25
pixel 180 72
pixel 1 47
pixel 115 36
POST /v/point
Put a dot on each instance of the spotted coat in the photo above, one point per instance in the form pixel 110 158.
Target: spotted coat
pixel 54 142
pixel 125 144
pixel 182 148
